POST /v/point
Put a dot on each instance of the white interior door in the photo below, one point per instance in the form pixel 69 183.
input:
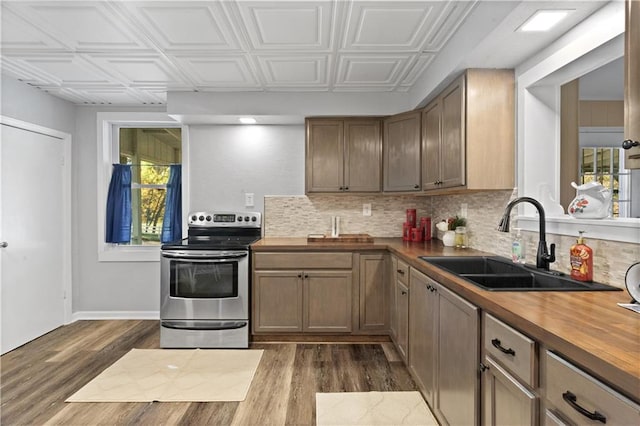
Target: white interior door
pixel 32 224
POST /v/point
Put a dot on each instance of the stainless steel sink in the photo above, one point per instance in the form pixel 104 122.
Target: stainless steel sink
pixel 496 273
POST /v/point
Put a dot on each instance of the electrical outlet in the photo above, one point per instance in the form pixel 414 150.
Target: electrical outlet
pixel 366 209
pixel 248 199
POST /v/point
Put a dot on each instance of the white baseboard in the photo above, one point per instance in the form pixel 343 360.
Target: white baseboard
pixel 115 315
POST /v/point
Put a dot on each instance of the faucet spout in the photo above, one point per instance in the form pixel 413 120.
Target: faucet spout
pixel 543 256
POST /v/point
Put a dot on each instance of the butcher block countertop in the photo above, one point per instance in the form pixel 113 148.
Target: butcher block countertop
pixel 586 327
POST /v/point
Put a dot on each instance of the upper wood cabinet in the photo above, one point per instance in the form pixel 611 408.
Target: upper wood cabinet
pixel 632 81
pixel 468 134
pixel 401 143
pixel 443 155
pixel 343 155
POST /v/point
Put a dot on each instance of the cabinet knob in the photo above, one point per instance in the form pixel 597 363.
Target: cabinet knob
pixel 341 188
pixel 483 367
pixel 306 276
pixel 416 186
pixel 299 275
pixel 404 293
pixel 400 271
pixel 346 188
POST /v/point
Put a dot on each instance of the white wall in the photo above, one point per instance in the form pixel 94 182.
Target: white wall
pixel 114 287
pixel 32 105
pixel 228 161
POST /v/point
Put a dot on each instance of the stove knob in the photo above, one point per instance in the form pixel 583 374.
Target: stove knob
pixel 208 218
pixel 239 218
pixel 201 218
pixel 253 218
pixel 246 218
pixel 194 218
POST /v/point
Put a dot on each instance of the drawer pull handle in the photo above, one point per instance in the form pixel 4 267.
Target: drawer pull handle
pixel 571 399
pixel 496 344
pixel 400 271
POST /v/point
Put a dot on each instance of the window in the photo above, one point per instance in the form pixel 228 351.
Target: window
pixel 149 151
pixel 150 141
pixel 605 165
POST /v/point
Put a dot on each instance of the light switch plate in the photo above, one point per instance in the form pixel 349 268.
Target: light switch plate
pixel 248 199
pixel 366 209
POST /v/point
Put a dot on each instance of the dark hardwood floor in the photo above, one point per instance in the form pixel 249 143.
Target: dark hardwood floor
pixel 37 377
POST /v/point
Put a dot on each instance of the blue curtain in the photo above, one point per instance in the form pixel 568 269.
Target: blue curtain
pixel 119 205
pixel 172 222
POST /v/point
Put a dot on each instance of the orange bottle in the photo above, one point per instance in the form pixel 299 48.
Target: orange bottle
pixel 581 258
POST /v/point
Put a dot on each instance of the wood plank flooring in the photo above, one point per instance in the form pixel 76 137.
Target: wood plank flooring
pixel 37 377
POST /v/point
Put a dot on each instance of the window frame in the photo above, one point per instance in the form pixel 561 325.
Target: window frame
pixel 108 153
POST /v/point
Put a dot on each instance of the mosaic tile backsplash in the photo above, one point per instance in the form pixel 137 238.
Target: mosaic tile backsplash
pixel 298 216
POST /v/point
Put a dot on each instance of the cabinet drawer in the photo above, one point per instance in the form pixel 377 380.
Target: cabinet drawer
pixel 515 351
pixel 402 273
pixel 316 260
pixel 577 395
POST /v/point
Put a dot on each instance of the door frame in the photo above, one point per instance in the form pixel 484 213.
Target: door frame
pixel 66 205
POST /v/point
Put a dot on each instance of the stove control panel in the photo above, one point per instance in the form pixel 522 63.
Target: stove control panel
pixel 215 219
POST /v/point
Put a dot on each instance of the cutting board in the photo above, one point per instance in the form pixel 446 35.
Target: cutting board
pixel 342 238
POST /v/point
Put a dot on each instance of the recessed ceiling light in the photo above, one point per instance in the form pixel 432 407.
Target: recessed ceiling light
pixel 544 20
pixel 247 120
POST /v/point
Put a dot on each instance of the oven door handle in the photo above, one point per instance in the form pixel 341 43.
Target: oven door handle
pixel 194 255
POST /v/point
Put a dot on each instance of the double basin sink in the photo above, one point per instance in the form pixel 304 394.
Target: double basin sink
pixel 496 273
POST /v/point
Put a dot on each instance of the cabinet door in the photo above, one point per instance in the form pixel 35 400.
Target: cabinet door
pixel 431 139
pixel 506 401
pixel 374 293
pixel 457 400
pixel 362 156
pixel 423 316
pixel 277 306
pixel 402 310
pixel 393 314
pixel 632 82
pixel 327 301
pixel 452 171
pixel 325 156
pixel 401 145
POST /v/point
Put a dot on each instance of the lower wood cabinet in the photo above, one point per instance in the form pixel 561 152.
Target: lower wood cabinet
pixel 302 292
pixel 400 307
pixel 573 396
pixel 327 301
pixel 373 315
pixel 510 375
pixel 402 312
pixel 277 298
pixel 302 301
pixel 505 400
pixel 423 337
pixel 446 363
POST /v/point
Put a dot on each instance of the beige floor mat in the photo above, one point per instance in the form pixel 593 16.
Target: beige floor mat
pixel 198 375
pixel 372 408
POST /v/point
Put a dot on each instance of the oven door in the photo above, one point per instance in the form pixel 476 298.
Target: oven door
pixel 204 285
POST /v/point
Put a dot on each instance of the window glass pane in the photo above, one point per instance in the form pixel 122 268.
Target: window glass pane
pixel 149 151
pixel 587 160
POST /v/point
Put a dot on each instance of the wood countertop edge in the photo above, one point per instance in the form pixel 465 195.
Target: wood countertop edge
pixel 605 368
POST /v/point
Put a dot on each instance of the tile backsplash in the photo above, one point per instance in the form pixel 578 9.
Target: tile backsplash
pixel 298 216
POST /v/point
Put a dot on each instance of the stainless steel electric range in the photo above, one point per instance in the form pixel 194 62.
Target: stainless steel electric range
pixel 204 282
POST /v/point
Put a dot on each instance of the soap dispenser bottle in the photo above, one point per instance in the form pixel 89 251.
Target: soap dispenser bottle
pixel 517 247
pixel 581 258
